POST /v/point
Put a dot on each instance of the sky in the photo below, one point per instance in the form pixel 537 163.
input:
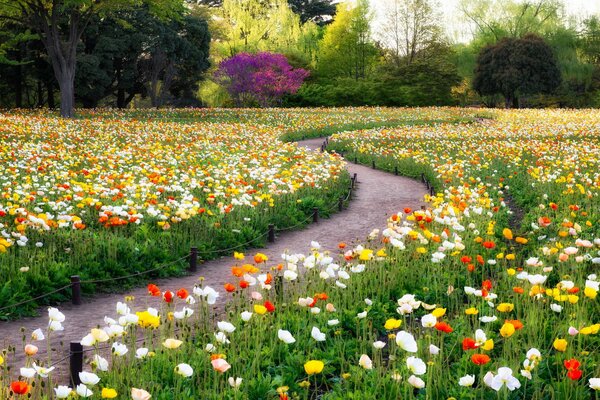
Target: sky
pixel 458 31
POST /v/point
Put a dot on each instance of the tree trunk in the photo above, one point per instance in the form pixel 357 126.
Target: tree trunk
pixel 66 82
pixel 515 102
pixel 120 98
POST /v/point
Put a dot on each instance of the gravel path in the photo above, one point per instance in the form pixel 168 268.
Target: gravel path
pixel 378 195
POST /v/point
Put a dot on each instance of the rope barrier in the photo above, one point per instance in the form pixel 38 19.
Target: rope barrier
pixel 35 298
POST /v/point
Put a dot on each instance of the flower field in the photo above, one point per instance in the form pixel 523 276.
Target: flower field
pixel 117 193
pixel 102 197
pixel 490 292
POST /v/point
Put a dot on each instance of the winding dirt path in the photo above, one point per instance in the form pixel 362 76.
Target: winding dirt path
pixel 377 196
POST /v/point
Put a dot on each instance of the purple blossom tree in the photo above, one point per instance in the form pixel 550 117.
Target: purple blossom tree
pixel 262 78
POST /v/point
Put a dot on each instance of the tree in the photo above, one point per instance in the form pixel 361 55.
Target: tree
pixel 517 67
pixel 497 19
pixel 134 52
pixel 320 12
pixel 262 78
pixel 410 26
pixel 346 49
pixel 61 23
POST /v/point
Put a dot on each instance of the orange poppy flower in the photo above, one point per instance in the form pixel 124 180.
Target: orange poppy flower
pixel 480 359
pixel 19 387
pixel 153 290
pixel 514 322
pixel 443 327
pixel 229 287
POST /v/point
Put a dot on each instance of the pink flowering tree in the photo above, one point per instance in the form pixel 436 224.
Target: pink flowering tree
pixel 262 78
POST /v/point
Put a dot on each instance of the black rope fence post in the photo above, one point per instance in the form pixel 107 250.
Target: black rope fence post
pixel 432 191
pixel 75 362
pixel 315 214
pixel 193 260
pixel 271 234
pixel 341 203
pixel 422 177
pixel 396 170
pixel 373 164
pixel 355 160
pixel 76 290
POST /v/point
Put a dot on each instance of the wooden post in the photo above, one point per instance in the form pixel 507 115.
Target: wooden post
pixel 315 214
pixel 75 362
pixel 193 259
pixel 76 290
pixel 271 234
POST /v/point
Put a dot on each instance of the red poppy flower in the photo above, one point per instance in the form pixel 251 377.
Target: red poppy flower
pixel 518 289
pixel 487 285
pixel 466 259
pixel 229 287
pixel 574 374
pixel 168 296
pixel 444 327
pixel 471 267
pixel 244 284
pixel 480 260
pixel 480 359
pixel 153 290
pixel 572 364
pixel 182 294
pixel 407 210
pixel 488 244
pixel 468 344
pixel 269 306
pixel 19 387
pixel 554 206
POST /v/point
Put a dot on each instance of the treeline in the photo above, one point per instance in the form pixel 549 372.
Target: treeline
pixel 101 53
pixel 168 52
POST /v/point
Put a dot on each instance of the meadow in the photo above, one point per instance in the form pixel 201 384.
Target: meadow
pixel 490 292
pixel 113 193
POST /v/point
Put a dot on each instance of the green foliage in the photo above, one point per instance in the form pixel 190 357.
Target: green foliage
pixel 346 50
pixel 517 67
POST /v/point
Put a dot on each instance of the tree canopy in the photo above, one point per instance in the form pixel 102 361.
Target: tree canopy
pixel 517 67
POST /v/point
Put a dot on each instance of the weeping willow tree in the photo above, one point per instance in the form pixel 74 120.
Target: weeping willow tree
pixel 265 25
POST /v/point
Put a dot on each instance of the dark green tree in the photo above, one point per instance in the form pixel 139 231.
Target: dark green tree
pixel 60 24
pixel 515 68
pixel 136 53
pixel 320 12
